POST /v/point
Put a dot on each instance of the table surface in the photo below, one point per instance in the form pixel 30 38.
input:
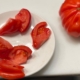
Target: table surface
pixel 66 58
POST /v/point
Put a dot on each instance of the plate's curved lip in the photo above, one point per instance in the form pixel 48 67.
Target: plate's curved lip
pixel 53 47
pixel 46 62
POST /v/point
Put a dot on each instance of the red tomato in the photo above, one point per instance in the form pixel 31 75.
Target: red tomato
pixel 10 71
pixel 40 34
pixel 11 76
pixel 38 29
pixel 5 44
pixel 25 16
pixel 70 16
pixel 11 26
pixel 8 66
pixel 5 48
pixel 5 54
pixel 20 54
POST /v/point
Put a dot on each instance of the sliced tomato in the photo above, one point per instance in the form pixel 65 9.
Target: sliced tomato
pixel 11 26
pixel 5 48
pixel 8 66
pixel 11 76
pixel 40 34
pixel 25 16
pixel 5 44
pixel 10 71
pixel 19 57
pixel 5 54
pixel 20 54
pixel 41 39
pixel 38 29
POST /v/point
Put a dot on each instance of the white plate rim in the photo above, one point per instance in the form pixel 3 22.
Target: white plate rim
pixel 26 74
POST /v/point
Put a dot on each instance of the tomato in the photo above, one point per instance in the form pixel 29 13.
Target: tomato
pixel 8 66
pixel 5 54
pixel 25 16
pixel 40 34
pixel 20 54
pixel 11 76
pixel 19 57
pixel 70 16
pixel 11 26
pixel 5 44
pixel 10 71
pixel 38 29
pixel 5 48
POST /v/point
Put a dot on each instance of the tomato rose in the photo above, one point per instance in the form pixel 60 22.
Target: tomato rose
pixel 70 16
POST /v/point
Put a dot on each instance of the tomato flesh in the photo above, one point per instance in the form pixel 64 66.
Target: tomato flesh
pixel 11 75
pixel 40 34
pixel 24 16
pixel 5 48
pixel 11 26
pixel 70 16
pixel 5 43
pixel 20 54
pixel 10 71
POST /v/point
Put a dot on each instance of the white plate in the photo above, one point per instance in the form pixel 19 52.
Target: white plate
pixel 41 56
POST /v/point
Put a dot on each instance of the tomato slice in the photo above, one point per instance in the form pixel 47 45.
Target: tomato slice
pixel 39 28
pixel 10 71
pixel 40 34
pixel 25 16
pixel 19 57
pixel 5 48
pixel 5 54
pixel 5 44
pixel 20 54
pixel 11 26
pixel 8 66
pixel 11 76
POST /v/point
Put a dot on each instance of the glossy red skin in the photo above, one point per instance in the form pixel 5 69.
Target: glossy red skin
pixel 70 16
pixel 40 34
pixel 10 71
pixel 24 16
pixel 20 54
pixel 11 26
